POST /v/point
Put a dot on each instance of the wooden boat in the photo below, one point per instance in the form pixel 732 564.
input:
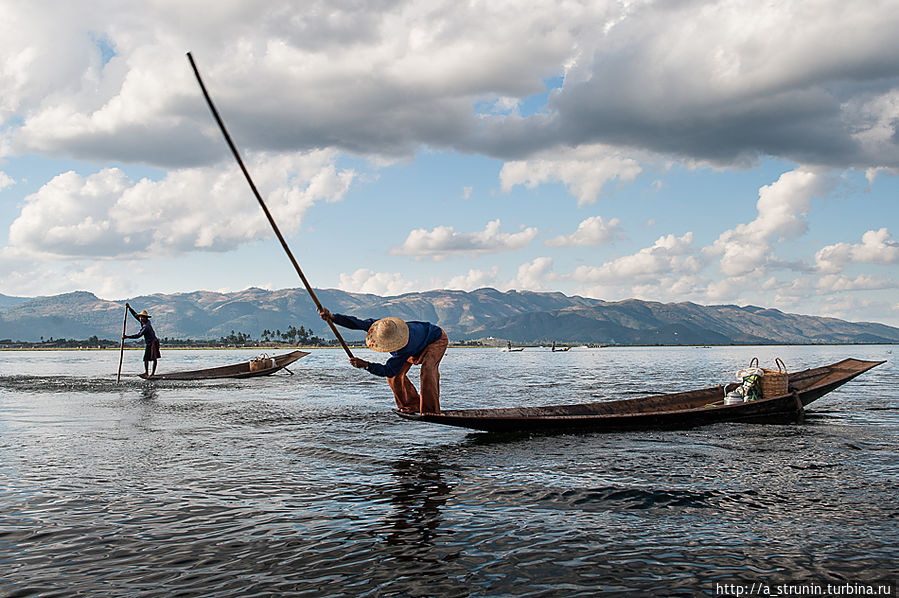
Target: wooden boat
pixel 677 410
pixel 512 349
pixel 238 370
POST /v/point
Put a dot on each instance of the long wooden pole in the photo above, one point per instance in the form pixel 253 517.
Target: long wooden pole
pixel 262 205
pixel 118 377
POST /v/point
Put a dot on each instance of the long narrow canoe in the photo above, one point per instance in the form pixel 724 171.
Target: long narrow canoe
pixel 237 370
pixel 677 410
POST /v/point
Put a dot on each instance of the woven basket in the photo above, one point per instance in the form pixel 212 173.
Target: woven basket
pixel 775 382
pixel 261 363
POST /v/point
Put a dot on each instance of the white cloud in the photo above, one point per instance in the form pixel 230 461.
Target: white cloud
pixel 731 81
pixel 107 215
pixel 831 283
pixel 699 81
pixel 668 255
pixel 5 180
pixel 444 241
pixel 24 276
pixel 875 119
pixel 592 231
pixel 585 170
pixel 534 275
pixel 385 284
pixel 685 287
pixel 851 308
pixel 368 78
pixel 871 173
pixel 474 279
pixel 876 247
pixel 69 216
pixel 782 206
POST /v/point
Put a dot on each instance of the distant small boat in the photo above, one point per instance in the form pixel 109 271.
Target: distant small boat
pixel 560 349
pixel 237 370
pixel 676 410
pixel 511 349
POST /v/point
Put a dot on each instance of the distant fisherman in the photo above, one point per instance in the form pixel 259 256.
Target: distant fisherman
pixel 409 343
pixel 151 352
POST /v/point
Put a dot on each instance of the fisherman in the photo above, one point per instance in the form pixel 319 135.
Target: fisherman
pixel 151 352
pixel 409 343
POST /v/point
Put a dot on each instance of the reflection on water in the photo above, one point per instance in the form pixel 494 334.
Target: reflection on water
pixel 309 485
pixel 417 493
pixel 149 392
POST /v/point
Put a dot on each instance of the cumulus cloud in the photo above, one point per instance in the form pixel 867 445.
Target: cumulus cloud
pixel 534 275
pixel 376 78
pixel 108 215
pixel 719 81
pixel 669 255
pixel 592 231
pixel 840 282
pixel 385 284
pixel 475 279
pixel 24 276
pixel 584 170
pixel 727 82
pixel 444 241
pixel 685 287
pixel 5 180
pixel 781 206
pixel 852 307
pixel 877 247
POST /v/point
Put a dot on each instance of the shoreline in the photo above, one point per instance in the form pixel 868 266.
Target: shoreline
pixel 453 346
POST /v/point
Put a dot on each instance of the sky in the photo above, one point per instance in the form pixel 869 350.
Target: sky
pixel 719 152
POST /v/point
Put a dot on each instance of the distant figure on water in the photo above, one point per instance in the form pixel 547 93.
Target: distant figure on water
pixel 409 343
pixel 151 352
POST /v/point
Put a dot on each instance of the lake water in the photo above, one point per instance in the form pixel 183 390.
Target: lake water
pixel 309 485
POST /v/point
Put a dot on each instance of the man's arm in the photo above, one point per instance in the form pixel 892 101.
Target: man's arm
pixel 354 324
pixel 140 333
pixel 385 370
pixel 350 322
pixel 133 313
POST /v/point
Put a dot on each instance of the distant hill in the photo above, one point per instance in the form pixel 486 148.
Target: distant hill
pixel 6 301
pixel 519 316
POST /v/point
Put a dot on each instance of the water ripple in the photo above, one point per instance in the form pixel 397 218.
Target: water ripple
pixel 309 485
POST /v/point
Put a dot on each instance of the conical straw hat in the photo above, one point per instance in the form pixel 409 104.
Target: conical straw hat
pixel 387 334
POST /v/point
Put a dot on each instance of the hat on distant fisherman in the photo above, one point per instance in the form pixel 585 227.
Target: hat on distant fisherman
pixel 387 334
pixel 144 314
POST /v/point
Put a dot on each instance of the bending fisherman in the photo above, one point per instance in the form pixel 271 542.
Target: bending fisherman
pixel 409 343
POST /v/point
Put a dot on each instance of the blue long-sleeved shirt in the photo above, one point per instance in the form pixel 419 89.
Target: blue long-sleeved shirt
pixel 421 334
pixel 146 331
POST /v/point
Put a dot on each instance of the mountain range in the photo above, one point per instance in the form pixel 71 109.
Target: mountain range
pixel 516 316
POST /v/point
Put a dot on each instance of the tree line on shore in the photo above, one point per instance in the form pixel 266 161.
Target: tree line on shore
pixel 290 336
